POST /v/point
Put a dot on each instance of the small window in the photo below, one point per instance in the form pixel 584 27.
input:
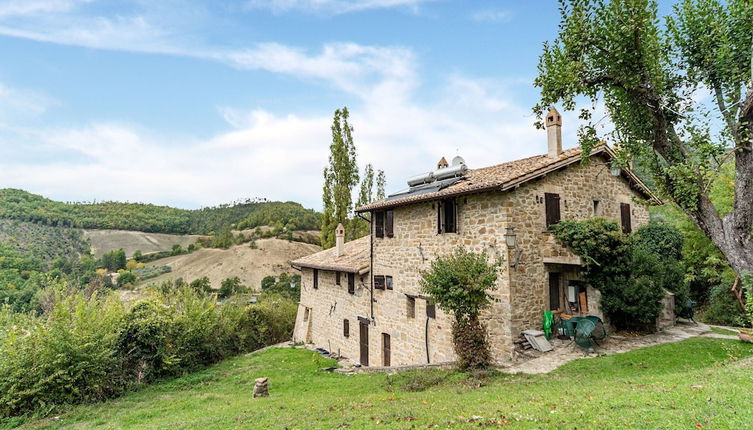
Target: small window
pixel 351 283
pixel 447 220
pixel 388 282
pixel 337 278
pixel 431 309
pixel 627 226
pixel 379 224
pixel 411 307
pixel 346 328
pixel 389 223
pixel 379 282
pixel 316 278
pixel 597 208
pixel 306 314
pixel 552 208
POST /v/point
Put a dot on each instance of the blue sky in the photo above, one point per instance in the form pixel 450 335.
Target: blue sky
pixel 197 103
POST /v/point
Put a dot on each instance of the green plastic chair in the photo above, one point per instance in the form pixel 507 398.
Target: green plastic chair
pixel 584 334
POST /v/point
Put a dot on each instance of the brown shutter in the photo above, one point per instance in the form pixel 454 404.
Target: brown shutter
pixel 439 218
pixel 351 283
pixel 316 278
pixel 379 224
pixel 346 328
pixel 431 309
pixel 337 278
pixel 386 350
pixel 552 208
pixel 379 282
pixel 627 226
pixel 389 223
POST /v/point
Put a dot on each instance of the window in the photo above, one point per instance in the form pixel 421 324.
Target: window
pixel 346 328
pixel 316 278
pixel 431 309
pixel 379 224
pixel 447 220
pixel 382 282
pixel 386 350
pixel 554 291
pixel 627 226
pixel 552 208
pixel 337 278
pixel 306 314
pixel 411 307
pixel 597 208
pixel 351 283
pixel 384 223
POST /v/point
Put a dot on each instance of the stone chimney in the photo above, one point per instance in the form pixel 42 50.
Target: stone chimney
pixel 554 133
pixel 339 240
pixel 442 163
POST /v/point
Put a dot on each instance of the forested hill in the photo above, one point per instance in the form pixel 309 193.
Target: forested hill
pixel 24 206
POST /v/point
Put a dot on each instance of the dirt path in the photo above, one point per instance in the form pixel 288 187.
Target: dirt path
pixel 566 351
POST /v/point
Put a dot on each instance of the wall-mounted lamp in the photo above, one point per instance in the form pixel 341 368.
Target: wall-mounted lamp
pixel 511 239
pixel 615 170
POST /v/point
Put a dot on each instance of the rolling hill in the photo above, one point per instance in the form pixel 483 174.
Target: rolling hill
pixel 103 241
pixel 272 257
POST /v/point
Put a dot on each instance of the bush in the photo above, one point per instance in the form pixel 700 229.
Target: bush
pixel 144 342
pixel 231 287
pixel 632 273
pixel 127 278
pixel 460 284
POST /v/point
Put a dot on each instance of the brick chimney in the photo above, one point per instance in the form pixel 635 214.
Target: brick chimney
pixel 442 163
pixel 554 133
pixel 339 240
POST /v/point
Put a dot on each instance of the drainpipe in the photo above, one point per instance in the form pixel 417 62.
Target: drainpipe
pixel 371 264
pixel 426 336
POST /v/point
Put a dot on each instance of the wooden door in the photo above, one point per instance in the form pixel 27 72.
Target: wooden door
pixel 364 341
pixel 627 225
pixel 554 291
pixel 386 350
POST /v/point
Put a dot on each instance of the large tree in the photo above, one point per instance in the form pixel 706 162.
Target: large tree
pixel 679 92
pixel 340 177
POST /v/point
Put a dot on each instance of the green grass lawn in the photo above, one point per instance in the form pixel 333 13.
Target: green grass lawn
pixel 697 383
pixel 719 330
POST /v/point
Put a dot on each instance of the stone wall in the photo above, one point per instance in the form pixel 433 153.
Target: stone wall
pixel 522 292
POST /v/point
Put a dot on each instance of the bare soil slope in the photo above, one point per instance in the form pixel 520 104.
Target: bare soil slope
pixel 272 257
pixel 107 240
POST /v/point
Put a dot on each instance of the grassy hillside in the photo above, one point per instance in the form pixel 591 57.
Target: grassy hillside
pixel 697 383
pixel 21 205
pixel 108 240
pixel 270 257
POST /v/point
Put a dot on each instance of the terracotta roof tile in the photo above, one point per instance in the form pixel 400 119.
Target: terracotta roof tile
pixel 355 258
pixel 502 176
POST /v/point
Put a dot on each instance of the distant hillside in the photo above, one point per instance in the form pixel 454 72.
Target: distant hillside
pixel 271 257
pixel 42 242
pixel 23 206
pixel 103 241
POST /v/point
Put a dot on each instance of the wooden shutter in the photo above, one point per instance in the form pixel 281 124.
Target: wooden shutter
pixel 450 221
pixel 364 342
pixel 431 309
pixel 439 218
pixel 316 278
pixel 389 221
pixel 554 290
pixel 388 282
pixel 346 328
pixel 379 224
pixel 552 208
pixel 379 282
pixel 386 350
pixel 351 283
pixel 627 226
pixel 337 278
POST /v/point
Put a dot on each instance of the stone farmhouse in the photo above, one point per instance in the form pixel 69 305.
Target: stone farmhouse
pixel 362 299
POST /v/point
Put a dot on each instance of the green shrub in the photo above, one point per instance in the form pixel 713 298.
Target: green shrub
pixel 127 278
pixel 231 287
pixel 632 273
pixel 65 357
pixel 145 342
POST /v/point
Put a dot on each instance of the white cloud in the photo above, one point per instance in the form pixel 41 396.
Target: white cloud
pixel 491 15
pixel 20 8
pixel 334 7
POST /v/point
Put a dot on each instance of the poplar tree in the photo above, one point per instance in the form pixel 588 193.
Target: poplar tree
pixel 340 177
